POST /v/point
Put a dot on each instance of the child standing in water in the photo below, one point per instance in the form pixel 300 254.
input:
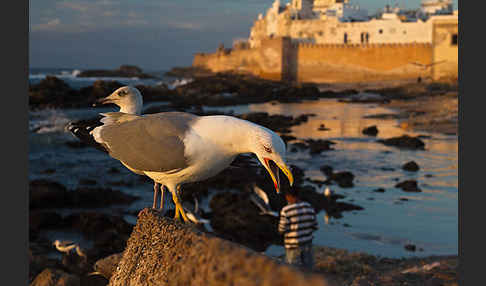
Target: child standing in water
pixel 297 224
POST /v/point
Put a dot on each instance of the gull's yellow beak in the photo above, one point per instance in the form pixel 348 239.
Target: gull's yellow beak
pixel 273 169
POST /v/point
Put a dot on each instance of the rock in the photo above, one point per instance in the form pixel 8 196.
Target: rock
pixel 410 247
pixel 404 141
pixel 371 130
pixel 411 166
pixel 107 266
pixel 161 252
pixel 344 179
pixel 327 170
pixel 44 193
pixel 409 186
pixel 51 92
pixel 37 263
pixel 237 219
pixel 44 220
pixel 319 145
pixel 122 71
pixel 94 280
pixel 322 127
pixel 55 277
pixel 50 194
pixel 87 181
pixel 380 190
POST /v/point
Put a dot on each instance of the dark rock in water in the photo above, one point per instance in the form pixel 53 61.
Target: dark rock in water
pixel 44 220
pixel 344 179
pixel 327 170
pixel 51 277
pixel 109 232
pixel 411 166
pixel 404 199
pixel 410 247
pixel 76 144
pixel 114 170
pixel 106 266
pixel 380 190
pixel 94 197
pixel 287 138
pixel 122 71
pixel 237 219
pixel 50 92
pixel 319 145
pixel 278 123
pixel 409 186
pixel 49 194
pixel 86 181
pixel 45 193
pixel 404 141
pixel 322 127
pixel 299 145
pixel 371 130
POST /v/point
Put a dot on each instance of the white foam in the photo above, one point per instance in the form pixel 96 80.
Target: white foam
pixel 180 82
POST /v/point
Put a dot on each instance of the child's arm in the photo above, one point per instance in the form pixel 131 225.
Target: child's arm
pixel 283 223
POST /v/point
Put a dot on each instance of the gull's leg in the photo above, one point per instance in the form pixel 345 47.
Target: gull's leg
pixel 162 191
pixel 174 198
pixel 156 190
pixel 181 210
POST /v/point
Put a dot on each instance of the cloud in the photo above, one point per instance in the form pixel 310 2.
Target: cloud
pixel 51 24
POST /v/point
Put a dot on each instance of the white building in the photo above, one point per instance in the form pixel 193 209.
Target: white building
pixel 437 7
pixel 338 22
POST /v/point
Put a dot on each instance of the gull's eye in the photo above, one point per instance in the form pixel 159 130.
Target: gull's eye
pixel 122 93
pixel 267 149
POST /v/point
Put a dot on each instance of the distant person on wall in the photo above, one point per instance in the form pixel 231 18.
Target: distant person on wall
pixel 297 224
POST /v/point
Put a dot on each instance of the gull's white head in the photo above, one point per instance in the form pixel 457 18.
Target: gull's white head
pixel 270 151
pixel 128 98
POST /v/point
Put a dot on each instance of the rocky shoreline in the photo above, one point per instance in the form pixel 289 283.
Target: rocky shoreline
pixel 238 221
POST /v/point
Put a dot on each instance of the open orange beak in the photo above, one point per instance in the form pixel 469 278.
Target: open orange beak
pixel 273 168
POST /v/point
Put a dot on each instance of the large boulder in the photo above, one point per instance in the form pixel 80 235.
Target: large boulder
pixel 162 252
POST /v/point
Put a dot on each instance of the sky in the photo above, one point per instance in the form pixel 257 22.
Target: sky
pixel 152 34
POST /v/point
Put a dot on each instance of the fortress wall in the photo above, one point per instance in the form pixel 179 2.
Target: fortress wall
pixel 265 61
pixel 445 54
pixel 357 63
pixel 279 59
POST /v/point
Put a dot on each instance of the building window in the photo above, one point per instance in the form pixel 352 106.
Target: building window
pixel 380 31
pixel 454 40
pixel 345 38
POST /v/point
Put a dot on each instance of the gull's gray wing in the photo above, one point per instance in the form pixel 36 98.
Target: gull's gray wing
pixel 152 142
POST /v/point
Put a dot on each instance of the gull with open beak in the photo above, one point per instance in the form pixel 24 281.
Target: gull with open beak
pixel 174 148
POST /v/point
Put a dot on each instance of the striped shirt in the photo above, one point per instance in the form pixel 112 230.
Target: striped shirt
pixel 297 223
